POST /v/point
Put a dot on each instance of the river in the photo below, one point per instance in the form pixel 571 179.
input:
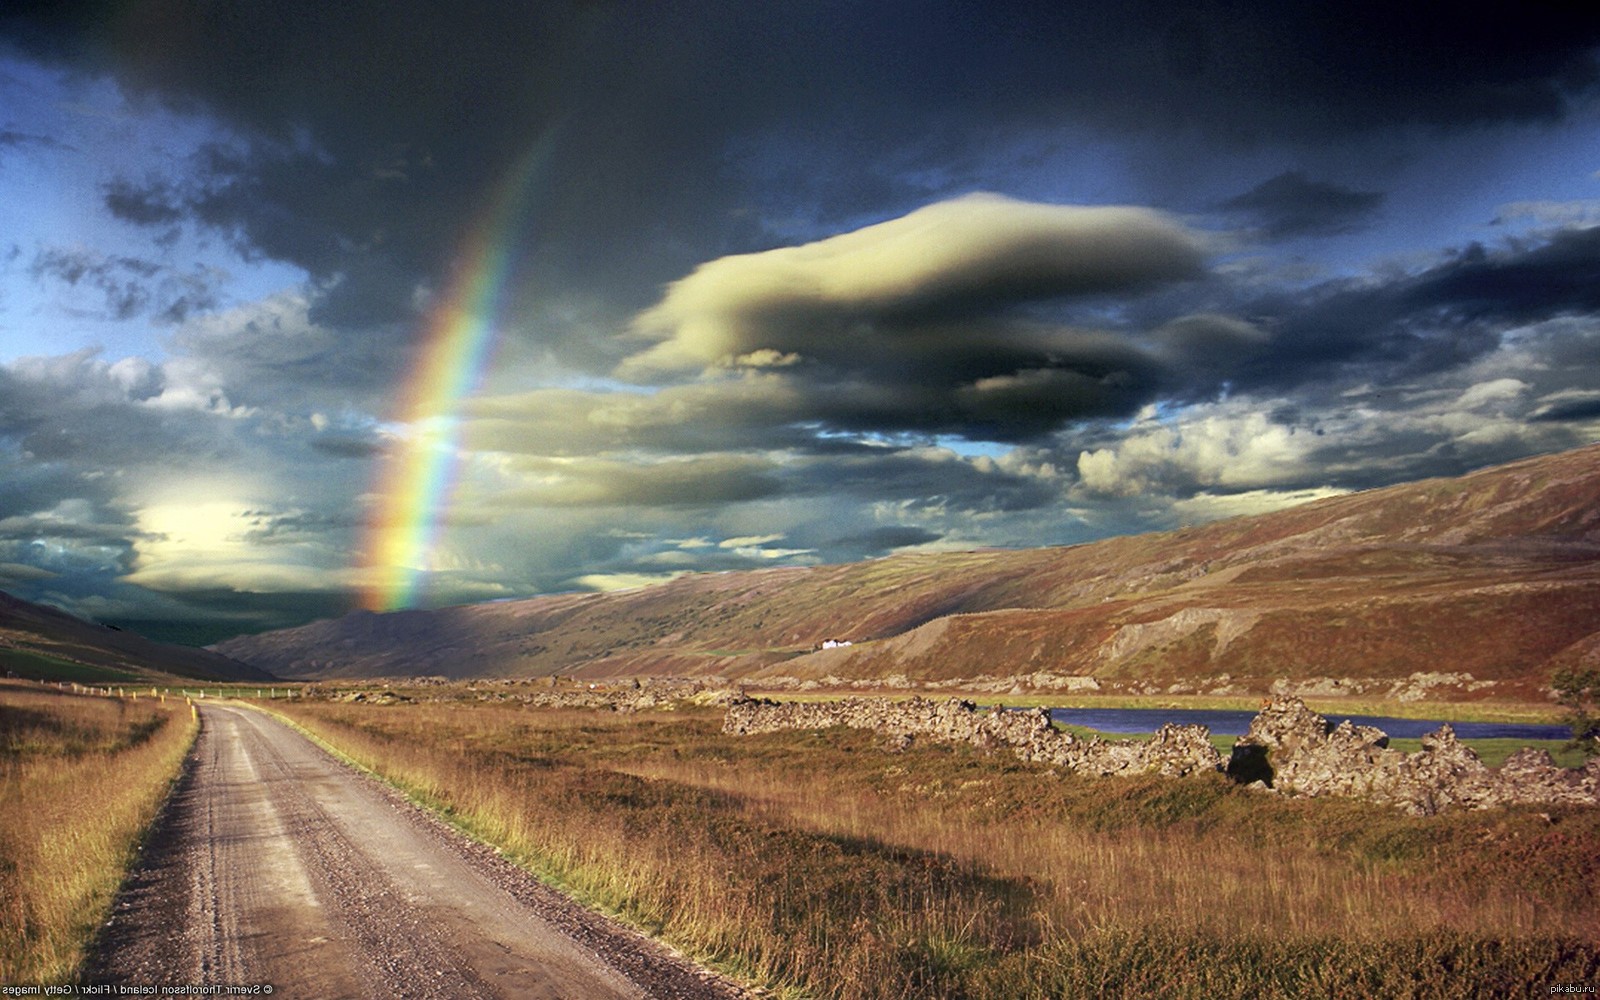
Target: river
pixel 1237 723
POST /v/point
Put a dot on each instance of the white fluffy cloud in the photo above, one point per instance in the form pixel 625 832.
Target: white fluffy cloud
pixel 830 300
pixel 1224 446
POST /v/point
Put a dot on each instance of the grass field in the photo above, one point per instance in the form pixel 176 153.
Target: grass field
pixel 80 779
pixel 42 667
pixel 818 864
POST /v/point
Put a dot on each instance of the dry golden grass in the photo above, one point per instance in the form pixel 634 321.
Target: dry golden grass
pixel 1103 878
pixel 819 863
pixel 80 780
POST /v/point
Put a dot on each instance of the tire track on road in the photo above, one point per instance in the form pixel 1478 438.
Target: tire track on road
pixel 275 864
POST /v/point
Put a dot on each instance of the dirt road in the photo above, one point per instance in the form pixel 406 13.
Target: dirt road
pixel 277 865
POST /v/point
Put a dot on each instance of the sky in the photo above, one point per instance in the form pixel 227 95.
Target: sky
pixel 310 307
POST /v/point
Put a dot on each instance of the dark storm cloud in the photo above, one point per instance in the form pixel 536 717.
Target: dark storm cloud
pixel 269 527
pixel 363 155
pixel 1401 326
pixel 1521 283
pixel 348 446
pixel 203 616
pixel 1578 407
pixel 369 65
pixel 13 139
pixel 1292 204
pixel 1307 70
pixel 1411 455
pixel 120 279
pixel 39 526
pixel 149 205
pixel 80 410
pixel 273 353
pixel 14 574
pixel 63 522
pixel 73 266
pixel 879 541
pixel 702 481
pixel 131 286
pixel 924 478
pixel 928 491
pixel 28 489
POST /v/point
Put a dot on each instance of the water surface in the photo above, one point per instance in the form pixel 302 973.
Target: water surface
pixel 1237 723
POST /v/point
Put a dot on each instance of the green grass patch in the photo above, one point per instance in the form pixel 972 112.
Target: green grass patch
pixel 42 667
pixel 1493 751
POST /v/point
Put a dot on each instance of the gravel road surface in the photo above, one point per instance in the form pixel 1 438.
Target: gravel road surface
pixel 277 865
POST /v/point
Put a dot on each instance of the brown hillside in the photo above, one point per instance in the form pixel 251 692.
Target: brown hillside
pixel 31 631
pixel 1495 574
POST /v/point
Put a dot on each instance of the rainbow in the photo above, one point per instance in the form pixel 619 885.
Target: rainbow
pixel 416 481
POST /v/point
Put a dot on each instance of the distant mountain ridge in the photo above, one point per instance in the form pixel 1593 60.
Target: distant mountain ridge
pixel 1491 578
pixel 27 628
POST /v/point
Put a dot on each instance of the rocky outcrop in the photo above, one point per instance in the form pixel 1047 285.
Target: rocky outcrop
pixel 1289 749
pixel 1293 749
pixel 632 695
pixel 627 695
pixel 1175 751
